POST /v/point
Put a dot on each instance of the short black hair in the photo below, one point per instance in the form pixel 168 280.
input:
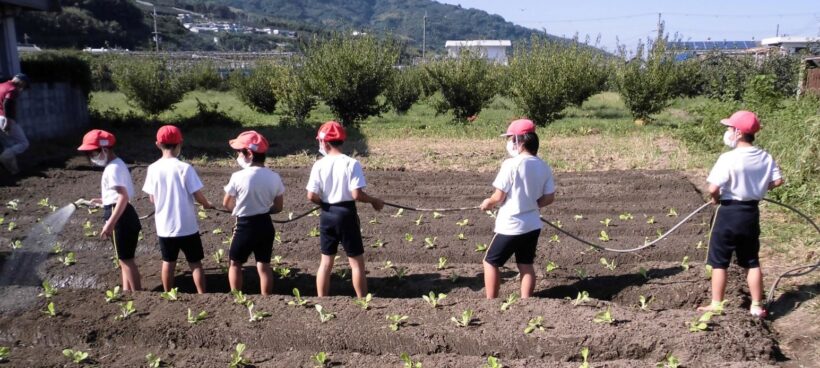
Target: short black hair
pixel 336 143
pixel 258 158
pixel 168 146
pixel 529 141
pixel 748 138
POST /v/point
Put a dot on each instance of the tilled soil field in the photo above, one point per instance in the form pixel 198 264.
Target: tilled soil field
pixel 361 338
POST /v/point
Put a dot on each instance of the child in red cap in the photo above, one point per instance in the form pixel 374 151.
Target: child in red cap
pixel 122 223
pixel 737 182
pixel 253 194
pixel 173 186
pixel 336 182
pixel 523 185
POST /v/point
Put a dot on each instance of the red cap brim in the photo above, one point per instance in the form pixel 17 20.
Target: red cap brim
pixel 88 147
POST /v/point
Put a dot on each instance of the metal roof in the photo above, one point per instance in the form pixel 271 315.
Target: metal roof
pixel 713 45
pixel 478 43
pixel 47 5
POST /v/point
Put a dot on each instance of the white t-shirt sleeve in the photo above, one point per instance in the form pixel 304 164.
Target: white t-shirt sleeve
pixel 314 184
pixel 192 182
pixel 776 174
pixel 503 181
pixel 720 173
pixel 230 189
pixel 549 185
pixel 357 176
pixel 278 185
pixel 148 187
pixel 118 177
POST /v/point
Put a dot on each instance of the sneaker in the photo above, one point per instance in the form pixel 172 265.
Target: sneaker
pixel 759 312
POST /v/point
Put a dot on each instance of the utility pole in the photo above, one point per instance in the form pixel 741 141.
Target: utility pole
pixel 424 37
pixel 660 29
pixel 777 32
pixel 156 34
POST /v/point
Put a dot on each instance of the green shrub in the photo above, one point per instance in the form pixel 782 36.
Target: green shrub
pixel 349 73
pixel 102 71
pixel 57 66
pixel 150 85
pixel 404 90
pixel 646 84
pixel 466 85
pixel 256 88
pixel 761 93
pixel 294 94
pixel 205 77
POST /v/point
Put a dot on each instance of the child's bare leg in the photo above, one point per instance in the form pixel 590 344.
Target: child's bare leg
pixel 527 272
pixel 199 276
pixel 168 269
pixel 130 275
pixel 265 277
pixel 323 275
pixel 754 276
pixel 359 276
pixel 492 280
pixel 235 275
pixel 718 289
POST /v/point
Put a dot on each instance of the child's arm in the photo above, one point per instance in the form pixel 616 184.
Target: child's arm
pixel 278 204
pixel 714 193
pixel 313 197
pixel 360 196
pixel 119 208
pixel 229 202
pixel 497 197
pixel 546 200
pixel 200 198
pixel 776 184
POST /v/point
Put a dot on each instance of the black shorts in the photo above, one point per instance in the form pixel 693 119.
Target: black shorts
pixel 339 223
pixel 504 246
pixel 190 245
pixel 126 231
pixel 736 229
pixel 253 234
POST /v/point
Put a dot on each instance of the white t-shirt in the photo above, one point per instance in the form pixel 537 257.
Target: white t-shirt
pixel 333 178
pixel 255 188
pixel 524 179
pixel 744 174
pixel 115 174
pixel 173 183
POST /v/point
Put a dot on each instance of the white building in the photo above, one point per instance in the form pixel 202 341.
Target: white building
pixel 493 50
pixel 791 44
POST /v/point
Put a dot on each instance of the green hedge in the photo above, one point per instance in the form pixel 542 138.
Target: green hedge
pixel 57 66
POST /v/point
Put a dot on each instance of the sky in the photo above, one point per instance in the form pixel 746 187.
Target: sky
pixel 631 20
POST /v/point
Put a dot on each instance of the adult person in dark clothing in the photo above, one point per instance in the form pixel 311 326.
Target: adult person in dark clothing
pixel 12 137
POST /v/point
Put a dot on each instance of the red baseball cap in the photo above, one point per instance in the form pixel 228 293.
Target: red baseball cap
pixel 744 121
pixel 97 139
pixel 520 127
pixel 331 131
pixel 169 134
pixel 250 140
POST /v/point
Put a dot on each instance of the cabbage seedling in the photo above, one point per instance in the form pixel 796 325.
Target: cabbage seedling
pixel 606 221
pixel 88 230
pixel 16 244
pixel 408 237
pixel 480 247
pixel 217 231
pixel 557 224
pixel 461 236
pixel 670 361
pixel 170 295
pixel 43 202
pixel 685 263
pixel 202 214
pixel 604 317
pixel 321 359
pixel 278 238
pixel 255 316
pixel 50 310
pixel 465 320
pixel 604 236
pixel 708 272
pixel 48 290
pixel 408 362
pixel 610 265
pixel 374 221
pixel 297 299
pixel 650 220
pixel 228 239
pixel 396 321
pixel 196 318
pixel 493 362
pixel 463 222
pixel 581 273
pixel 69 259
pixel 437 215
pixel 126 310
pixel 153 360
pixel 323 315
pixel 377 244
pixel 442 263
pixel 75 356
pixel 644 302
pixel 388 265
pixel 453 277
pixel 218 257
pixel 578 217
pixel 314 213
pixel 4 353
pixel 700 245
pixel 12 226
pixel 434 299
pixel 276 259
pixel 430 243
pixel 643 272
pixel 551 266
pixel 283 272
pixel 400 272
pixel 12 204
pixel 672 212
pixel 585 357
pixel 555 239
pixel 508 303
pixel 583 296
pixel 535 323
pixel 491 213
pixel 239 297
pixel 314 232
pixel 2 220
pixel 626 216
pixel 113 295
pixel 237 360
pixel 419 220
pixel 399 213
pixel 57 248
pixel 702 323
pixel 363 303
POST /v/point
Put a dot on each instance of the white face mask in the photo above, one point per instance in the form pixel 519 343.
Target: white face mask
pixel 512 148
pixel 99 160
pixel 322 148
pixel 242 163
pixel 729 139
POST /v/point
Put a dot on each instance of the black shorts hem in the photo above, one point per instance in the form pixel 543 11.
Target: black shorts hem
pixel 190 245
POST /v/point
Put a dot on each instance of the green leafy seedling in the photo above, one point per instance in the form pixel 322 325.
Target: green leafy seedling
pixel 644 302
pixel 88 229
pixel 700 245
pixel 480 247
pixel 216 231
pixel 643 272
pixel 670 361
pixel 255 316
pixel 399 213
pixel 126 310
pixel 12 204
pixel 581 273
pixel 551 266
pixel 202 214
pixel 16 244
pixel 219 258
pixel 153 361
pixel 555 239
pixel 610 265
pixel 69 259
pixel 396 321
pixel 578 217
pixel 377 244
pixel 453 277
pixel 419 220
pixel 5 351
pixel 508 303
pixel 408 237
pixel 585 357
pixel 437 215
pixel 557 224
pixel 400 272
pixel 57 248
pixel 50 310
pixel 237 360
pixel 442 263
pixel 463 222
pixel 113 295
pixel 434 299
pixel 12 226
pixel 491 213
pixel 583 297
pixel 701 324
pixel 707 270
pixel 48 290
pixel 388 265
pixel 324 316
pixel 314 232
pixel 239 297
pixel 196 318
pixel 374 221
pixel 650 219
pixel 465 320
pixel 43 202
pixel 604 236
pixel 297 299
pixel 604 317
pixel 314 213
pixel 685 263
pixel 535 323
pixel 364 303
pixel 228 240
pixel 461 236
pixel 282 272
pixel 278 238
pixel 430 243
pixel 606 221
pixel 493 362
pixel 75 356
pixel 276 260
pixel 321 359
pixel 672 212
pixel 408 362
pixel 626 216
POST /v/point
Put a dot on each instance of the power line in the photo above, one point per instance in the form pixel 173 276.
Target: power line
pixel 639 15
